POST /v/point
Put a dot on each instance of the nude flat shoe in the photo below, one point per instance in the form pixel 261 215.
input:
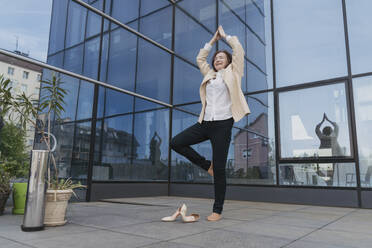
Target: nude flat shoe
pixel 174 216
pixel 190 218
pixel 214 217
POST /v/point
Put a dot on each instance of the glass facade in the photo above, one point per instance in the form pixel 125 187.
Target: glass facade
pixel 307 81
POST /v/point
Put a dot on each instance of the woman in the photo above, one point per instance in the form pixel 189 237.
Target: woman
pixel 223 102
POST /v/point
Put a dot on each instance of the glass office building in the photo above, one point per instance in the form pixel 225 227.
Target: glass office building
pixel 307 81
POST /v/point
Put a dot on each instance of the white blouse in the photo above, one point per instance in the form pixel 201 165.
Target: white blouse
pixel 218 101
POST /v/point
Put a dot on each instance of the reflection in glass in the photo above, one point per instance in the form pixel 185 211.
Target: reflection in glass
pixel 151 130
pixel 318 174
pixel 359 20
pixel 309 41
pixel 362 88
pixel 80 151
pixel 305 132
pixel 254 143
pixel 63 154
pixel 116 150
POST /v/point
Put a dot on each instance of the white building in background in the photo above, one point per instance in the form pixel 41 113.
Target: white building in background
pixel 25 77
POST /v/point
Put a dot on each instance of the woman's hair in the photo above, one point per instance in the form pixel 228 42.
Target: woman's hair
pixel 228 55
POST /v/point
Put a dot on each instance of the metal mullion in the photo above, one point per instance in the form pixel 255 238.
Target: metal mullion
pixel 350 99
pixel 77 98
pixel 259 9
pixel 304 160
pixel 94 111
pixel 320 83
pixel 259 92
pixel 366 74
pixel 276 98
pixel 171 99
pixel 135 90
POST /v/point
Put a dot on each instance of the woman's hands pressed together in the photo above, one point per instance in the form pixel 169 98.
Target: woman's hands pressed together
pixel 220 33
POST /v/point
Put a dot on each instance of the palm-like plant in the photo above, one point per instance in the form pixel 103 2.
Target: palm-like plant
pixel 27 110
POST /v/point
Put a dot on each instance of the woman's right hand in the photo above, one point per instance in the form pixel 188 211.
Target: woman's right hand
pixel 215 38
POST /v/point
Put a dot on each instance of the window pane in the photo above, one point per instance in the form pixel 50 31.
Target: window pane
pixel 255 19
pixel 85 102
pixel 190 37
pixel 91 58
pixel 116 149
pixel 256 51
pixel 253 146
pixel 122 59
pixel 56 60
pixel 192 108
pixel 73 62
pixel 63 154
pixel 304 132
pixel 187 80
pixel 309 41
pixel 58 26
pixel 363 112
pixel 117 103
pixel 74 59
pixel 151 138
pixel 360 38
pixel 158 27
pixel 231 24
pixel 153 73
pixel 80 151
pixel 148 6
pixel 75 24
pixel 204 11
pixel 318 174
pixel 94 20
pixel 256 79
pixel 125 10
pixel 182 170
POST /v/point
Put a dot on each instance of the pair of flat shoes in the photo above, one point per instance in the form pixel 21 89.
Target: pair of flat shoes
pixel 182 211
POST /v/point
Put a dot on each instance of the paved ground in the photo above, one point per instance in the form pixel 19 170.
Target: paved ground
pixel 135 222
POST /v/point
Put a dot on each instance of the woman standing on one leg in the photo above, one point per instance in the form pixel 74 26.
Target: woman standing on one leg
pixel 223 102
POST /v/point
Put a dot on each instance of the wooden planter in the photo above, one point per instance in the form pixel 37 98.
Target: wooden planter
pixel 55 207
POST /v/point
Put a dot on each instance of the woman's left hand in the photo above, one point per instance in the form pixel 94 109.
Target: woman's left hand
pixel 222 32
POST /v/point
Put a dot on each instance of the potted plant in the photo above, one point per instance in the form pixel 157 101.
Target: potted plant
pixel 4 188
pixel 59 190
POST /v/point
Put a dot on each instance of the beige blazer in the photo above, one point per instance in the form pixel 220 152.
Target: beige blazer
pixel 232 76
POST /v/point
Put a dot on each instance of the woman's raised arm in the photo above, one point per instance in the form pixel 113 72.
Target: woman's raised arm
pixel 201 59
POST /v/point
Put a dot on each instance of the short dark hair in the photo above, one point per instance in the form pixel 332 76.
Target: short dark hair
pixel 228 55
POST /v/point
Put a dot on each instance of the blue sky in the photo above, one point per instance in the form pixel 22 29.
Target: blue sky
pixel 30 21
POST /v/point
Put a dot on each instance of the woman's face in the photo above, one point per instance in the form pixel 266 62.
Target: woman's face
pixel 220 61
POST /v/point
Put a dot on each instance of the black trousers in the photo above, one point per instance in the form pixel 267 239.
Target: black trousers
pixel 219 133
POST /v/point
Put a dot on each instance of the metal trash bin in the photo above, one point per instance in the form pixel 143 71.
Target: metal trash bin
pixel 33 219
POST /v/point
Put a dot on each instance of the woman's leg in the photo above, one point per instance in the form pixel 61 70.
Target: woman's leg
pixel 220 138
pixel 193 135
